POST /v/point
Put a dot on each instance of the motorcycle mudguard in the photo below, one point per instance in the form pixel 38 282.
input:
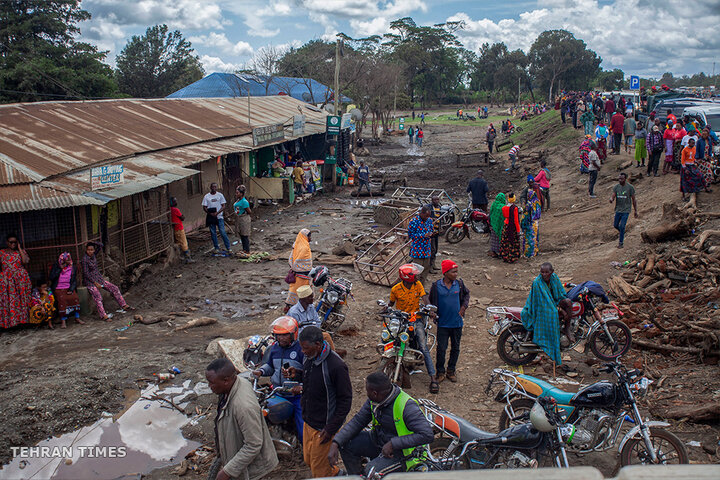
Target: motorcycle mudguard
pixel 457 224
pixel 636 429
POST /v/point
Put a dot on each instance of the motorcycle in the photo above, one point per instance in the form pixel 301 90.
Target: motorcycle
pixel 333 297
pixel 448 214
pixel 596 413
pixel 254 353
pixel 472 218
pixel 715 168
pixel 607 336
pixel 463 446
pixel 399 349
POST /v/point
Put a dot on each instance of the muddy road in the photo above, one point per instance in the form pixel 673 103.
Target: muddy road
pixel 55 382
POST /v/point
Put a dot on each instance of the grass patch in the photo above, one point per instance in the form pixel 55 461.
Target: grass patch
pixel 451 119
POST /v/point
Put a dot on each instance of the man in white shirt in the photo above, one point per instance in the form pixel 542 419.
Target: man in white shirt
pixel 213 203
pixel 594 168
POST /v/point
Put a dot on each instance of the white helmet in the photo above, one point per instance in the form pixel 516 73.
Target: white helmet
pixel 539 419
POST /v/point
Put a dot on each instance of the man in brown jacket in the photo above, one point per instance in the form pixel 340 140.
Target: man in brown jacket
pixel 242 438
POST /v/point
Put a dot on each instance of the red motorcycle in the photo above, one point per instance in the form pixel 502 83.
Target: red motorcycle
pixel 472 218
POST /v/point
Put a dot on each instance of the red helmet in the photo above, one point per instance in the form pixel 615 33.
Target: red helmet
pixel 284 325
pixel 410 271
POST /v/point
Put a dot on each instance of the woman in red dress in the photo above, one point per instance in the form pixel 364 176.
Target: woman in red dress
pixel 15 286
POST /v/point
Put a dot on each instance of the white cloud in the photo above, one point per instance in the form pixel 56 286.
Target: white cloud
pixel 221 42
pixel 180 14
pixel 216 64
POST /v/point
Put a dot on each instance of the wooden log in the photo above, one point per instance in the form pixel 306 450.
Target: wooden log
pixel 638 342
pixel 666 232
pixel 703 237
pixel 644 282
pixel 705 412
pixel 650 264
pixel 623 290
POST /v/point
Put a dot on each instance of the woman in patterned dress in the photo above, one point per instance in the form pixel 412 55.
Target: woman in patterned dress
pixel 531 221
pixel 15 286
pixel 510 240
pixel 496 224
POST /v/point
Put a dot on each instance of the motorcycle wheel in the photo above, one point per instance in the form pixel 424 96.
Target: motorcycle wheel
pixel 438 448
pixel 505 345
pixel 388 369
pixel 602 346
pixel 518 129
pixel 214 469
pixel 520 406
pixel 454 235
pixel 668 448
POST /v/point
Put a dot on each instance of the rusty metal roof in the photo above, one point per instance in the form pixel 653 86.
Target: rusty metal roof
pixel 22 198
pixel 50 146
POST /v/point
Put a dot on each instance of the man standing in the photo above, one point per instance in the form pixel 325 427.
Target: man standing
pixel 587 119
pixel 490 137
pixel 616 126
pixel 411 133
pixel 299 179
pixel 306 315
pixel 285 351
pixel 512 156
pixel 624 197
pixel 452 298
pixel 213 203
pixel 629 125
pixel 363 175
pixel 177 219
pixel 326 400
pixel 420 232
pixel 242 438
pixel 478 186
pixel 545 302
pixel 397 428
pixel 594 167
pixel 609 109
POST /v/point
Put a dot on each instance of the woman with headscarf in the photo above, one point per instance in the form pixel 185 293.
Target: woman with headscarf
pixel 300 265
pixel 510 239
pixel 243 212
pixel 496 224
pixel 530 222
pixel 585 148
pixel 15 286
pixel 669 138
pixel 63 281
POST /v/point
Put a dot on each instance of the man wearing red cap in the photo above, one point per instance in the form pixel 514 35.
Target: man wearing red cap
pixel 451 297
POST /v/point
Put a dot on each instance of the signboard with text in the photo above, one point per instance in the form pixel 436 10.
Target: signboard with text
pixel 107 176
pixel 634 82
pixel 268 134
pixel 333 125
pixel 402 123
pixel 330 159
pixel 298 125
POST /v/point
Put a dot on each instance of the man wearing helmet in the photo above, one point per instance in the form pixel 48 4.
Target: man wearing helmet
pixel 284 354
pixel 407 295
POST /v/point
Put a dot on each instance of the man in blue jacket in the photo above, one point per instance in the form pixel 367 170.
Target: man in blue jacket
pixel 284 354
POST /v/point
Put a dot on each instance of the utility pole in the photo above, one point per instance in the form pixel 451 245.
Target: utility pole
pixel 334 150
pixel 518 91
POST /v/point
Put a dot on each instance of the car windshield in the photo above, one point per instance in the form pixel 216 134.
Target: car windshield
pixel 714 120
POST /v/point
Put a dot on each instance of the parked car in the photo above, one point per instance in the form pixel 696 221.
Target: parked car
pixel 706 114
pixel 677 105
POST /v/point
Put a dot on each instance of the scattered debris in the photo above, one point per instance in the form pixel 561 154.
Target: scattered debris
pixel 197 322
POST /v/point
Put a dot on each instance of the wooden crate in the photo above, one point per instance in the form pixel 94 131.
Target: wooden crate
pixel 379 264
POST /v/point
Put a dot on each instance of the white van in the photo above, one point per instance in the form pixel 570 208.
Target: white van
pixel 705 114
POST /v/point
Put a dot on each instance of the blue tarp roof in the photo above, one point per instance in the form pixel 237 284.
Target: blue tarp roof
pixel 238 84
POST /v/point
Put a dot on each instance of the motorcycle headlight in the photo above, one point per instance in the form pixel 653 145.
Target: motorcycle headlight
pixel 394 327
pixel 404 337
pixel 385 335
pixel 332 297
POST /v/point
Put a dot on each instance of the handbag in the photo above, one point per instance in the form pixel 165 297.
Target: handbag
pixel 290 277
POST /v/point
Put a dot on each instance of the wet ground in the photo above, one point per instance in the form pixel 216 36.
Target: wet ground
pixel 56 382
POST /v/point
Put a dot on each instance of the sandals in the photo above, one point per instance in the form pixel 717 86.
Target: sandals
pixel 434 387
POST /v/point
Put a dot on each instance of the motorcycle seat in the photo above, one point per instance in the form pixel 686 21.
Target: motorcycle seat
pixel 460 427
pixel 550 390
pixel 514 312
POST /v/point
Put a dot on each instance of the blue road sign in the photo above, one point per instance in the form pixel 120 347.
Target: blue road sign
pixel 634 82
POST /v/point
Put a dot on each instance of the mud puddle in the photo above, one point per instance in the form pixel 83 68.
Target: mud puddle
pixel 144 437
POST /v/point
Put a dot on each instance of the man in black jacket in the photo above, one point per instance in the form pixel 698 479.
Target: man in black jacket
pixel 398 428
pixel 326 399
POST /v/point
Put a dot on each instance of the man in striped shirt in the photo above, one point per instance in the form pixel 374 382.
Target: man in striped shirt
pixel 512 155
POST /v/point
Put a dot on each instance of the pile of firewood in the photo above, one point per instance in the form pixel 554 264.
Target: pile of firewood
pixel 671 297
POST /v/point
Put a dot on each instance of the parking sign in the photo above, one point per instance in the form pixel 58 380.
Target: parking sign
pixel 634 82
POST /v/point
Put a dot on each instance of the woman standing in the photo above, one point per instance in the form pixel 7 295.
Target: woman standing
pixel 640 150
pixel 669 138
pixel 243 212
pixel 531 220
pixel 300 265
pixel 510 239
pixel 703 154
pixel 496 224
pixel 15 286
pixel 63 281
pixel 691 178
pixel 585 154
pixel 94 281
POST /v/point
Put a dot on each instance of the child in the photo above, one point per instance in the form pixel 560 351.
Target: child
pixel 63 280
pixel 42 305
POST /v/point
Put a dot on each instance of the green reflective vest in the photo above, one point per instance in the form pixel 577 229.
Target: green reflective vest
pixel 401 429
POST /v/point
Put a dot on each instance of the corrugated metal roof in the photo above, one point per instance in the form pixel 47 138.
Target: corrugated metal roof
pixel 22 198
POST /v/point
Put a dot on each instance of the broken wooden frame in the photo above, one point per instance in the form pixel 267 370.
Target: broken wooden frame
pixel 379 264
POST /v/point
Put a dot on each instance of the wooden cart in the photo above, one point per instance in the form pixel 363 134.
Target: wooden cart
pixel 379 264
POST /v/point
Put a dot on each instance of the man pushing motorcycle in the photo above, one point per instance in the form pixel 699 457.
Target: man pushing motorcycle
pixel 546 301
pixel 397 436
pixel 407 295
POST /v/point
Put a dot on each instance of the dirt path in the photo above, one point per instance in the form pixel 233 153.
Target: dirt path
pixel 68 381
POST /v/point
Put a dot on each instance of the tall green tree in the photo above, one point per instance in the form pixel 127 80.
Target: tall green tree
pixel 157 64
pixel 559 60
pixel 40 58
pixel 610 79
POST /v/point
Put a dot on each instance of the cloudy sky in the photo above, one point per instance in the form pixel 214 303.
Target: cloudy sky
pixel 646 37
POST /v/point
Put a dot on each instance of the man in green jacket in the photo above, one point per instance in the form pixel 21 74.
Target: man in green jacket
pixel 242 437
